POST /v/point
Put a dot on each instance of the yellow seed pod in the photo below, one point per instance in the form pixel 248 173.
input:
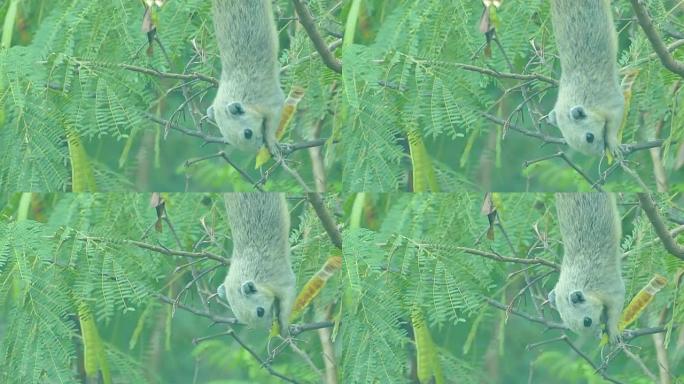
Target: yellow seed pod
pixel 295 96
pixel 638 304
pixel 310 290
pixel 313 287
pixel 641 300
pixel 626 85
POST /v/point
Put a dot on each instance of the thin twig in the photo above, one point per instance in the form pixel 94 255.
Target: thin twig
pixel 588 360
pixel 490 255
pixel 164 250
pixel 261 361
pixel 564 157
pixel 175 127
pixel 154 72
pixel 528 285
pixel 242 173
pixel 634 175
pixel 538 320
pixel 194 280
pixel 507 75
pixel 640 363
pixel 295 175
pixel 198 312
pixel 307 359
pixel 332 47
pixel 485 71
pixel 537 135
pixel 673 233
pixel 671 47
pixel 580 171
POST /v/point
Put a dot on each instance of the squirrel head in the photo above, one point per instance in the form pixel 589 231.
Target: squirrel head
pixel 586 130
pixel 256 305
pixel 245 127
pixel 581 311
pixel 252 304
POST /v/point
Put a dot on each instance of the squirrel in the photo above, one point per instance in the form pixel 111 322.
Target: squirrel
pixel 260 284
pixel 590 104
pixel 249 99
pixel 590 289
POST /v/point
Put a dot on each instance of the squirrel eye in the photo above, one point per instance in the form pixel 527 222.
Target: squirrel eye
pixel 248 133
pixel 590 138
pixel 587 322
pixel 260 313
pixel 236 109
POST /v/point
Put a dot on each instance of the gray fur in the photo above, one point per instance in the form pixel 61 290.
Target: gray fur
pixel 250 73
pixel 260 273
pixel 591 229
pixel 587 46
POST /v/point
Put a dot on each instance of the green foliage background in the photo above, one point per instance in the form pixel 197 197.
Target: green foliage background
pixel 408 117
pixel 404 254
pixel 402 80
pixel 64 250
pixel 60 80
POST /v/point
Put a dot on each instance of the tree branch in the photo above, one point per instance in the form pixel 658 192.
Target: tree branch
pixel 196 133
pixel 661 230
pixel 492 255
pixel 171 252
pixel 198 312
pixel 307 21
pixel 327 221
pixel 154 72
pixel 564 157
pixel 537 135
pixel 588 360
pixel 263 363
pixel 506 75
pixel 164 250
pixel 658 45
pixel 538 320
pixel 673 233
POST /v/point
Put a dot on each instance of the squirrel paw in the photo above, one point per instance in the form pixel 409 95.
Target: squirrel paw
pixel 614 336
pixel 617 151
pixel 277 149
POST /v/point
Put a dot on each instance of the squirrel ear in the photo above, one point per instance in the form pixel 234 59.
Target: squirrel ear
pixel 248 288
pixel 236 108
pixel 210 112
pixel 577 297
pixel 577 112
pixel 551 118
pixel 552 298
pixel 221 292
